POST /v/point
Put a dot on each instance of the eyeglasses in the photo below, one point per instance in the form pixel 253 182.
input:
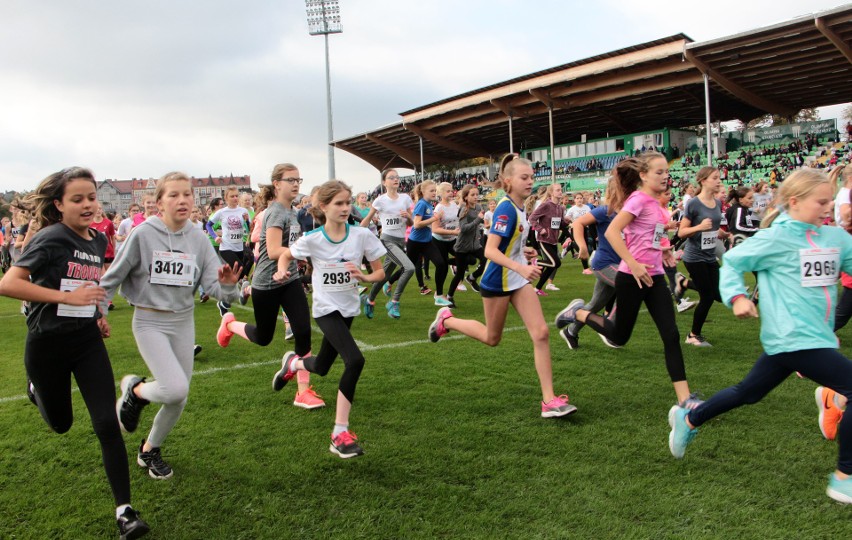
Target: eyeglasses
pixel 296 181
pixel 391 177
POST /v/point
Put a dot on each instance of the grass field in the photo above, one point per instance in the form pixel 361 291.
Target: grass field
pixel 455 447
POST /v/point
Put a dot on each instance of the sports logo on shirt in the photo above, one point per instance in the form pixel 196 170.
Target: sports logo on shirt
pixel 501 223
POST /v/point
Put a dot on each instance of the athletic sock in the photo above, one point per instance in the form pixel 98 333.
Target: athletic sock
pixel 339 428
pixel 120 510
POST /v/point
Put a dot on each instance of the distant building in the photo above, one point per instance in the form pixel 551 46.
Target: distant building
pixel 118 195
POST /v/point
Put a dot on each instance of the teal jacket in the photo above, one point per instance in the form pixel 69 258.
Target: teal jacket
pixel 794 318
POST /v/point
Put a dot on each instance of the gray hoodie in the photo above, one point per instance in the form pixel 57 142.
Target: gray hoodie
pixel 132 268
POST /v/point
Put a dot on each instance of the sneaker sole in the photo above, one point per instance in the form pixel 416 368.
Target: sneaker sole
pixel 570 409
pixel 819 402
pixel 568 342
pixel 672 418
pixel 562 324
pixel 308 407
pixel 337 452
pixel 151 473
pixel 838 496
pixel 124 382
pixel 608 343
pixel 279 375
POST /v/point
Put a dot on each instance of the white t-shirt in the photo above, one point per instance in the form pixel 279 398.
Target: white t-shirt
pixel 124 229
pixel 486 219
pixel 389 211
pixel 760 203
pixel 333 287
pixel 450 220
pixel 841 199
pixel 576 211
pixel 233 227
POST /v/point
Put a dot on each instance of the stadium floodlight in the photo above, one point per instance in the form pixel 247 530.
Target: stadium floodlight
pixel 324 19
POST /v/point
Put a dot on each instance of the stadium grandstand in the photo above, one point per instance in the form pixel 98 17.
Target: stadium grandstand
pixel 576 120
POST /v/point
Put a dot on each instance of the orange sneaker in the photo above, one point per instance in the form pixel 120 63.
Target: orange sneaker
pixel 308 399
pixel 223 336
pixel 829 414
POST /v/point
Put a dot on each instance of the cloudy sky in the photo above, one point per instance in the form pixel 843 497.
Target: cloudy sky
pixel 137 89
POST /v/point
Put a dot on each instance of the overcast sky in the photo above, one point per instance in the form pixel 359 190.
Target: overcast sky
pixel 137 89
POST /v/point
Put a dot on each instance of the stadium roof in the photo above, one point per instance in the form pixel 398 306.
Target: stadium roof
pixel 780 69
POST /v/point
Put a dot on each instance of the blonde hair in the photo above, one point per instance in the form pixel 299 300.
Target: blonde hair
pixel 325 194
pixel 800 185
pixel 628 177
pixel 507 168
pixel 444 188
pixel 279 170
pixel 703 174
pixel 229 189
pixel 265 194
pixel 174 176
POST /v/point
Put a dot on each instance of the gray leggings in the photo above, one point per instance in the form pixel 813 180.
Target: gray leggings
pixel 395 257
pixel 603 293
pixel 166 342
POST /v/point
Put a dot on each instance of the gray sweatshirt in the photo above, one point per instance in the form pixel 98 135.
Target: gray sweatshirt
pixel 136 264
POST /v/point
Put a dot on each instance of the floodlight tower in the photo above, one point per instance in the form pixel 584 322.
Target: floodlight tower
pixel 324 19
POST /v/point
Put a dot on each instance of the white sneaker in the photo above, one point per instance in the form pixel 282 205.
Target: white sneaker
pixel 685 305
pixel 551 287
pixel 461 288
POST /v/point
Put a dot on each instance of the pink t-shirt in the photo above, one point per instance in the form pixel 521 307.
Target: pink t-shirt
pixel 665 217
pixel 639 234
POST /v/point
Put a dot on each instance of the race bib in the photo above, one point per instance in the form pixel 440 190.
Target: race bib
pixel 708 239
pixel 659 231
pixel 724 221
pixel 394 225
pixel 334 277
pixel 555 222
pixel 65 310
pixel 294 234
pixel 234 236
pixel 820 267
pixel 749 222
pixel 176 269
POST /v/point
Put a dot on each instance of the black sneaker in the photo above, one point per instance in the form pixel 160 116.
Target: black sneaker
pixel 223 308
pixel 128 408
pixel 572 341
pixel 31 392
pixel 130 525
pixel 196 350
pixel 244 294
pixel 346 445
pixel 110 307
pixel 473 284
pixel 153 461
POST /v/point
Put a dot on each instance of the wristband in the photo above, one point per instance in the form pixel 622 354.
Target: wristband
pixel 737 297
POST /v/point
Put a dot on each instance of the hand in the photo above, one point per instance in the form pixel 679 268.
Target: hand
pixel 229 275
pixel 103 326
pixel 530 272
pixel 281 275
pixel 87 294
pixel 355 271
pixel 481 215
pixel 706 225
pixel 405 214
pixel 672 225
pixel 744 308
pixel 218 239
pixel 668 258
pixel 530 254
pixel 640 273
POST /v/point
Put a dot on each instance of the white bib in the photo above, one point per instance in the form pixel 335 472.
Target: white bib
pixel 66 310
pixel 659 232
pixel 294 234
pixel 234 236
pixel 820 267
pixel 708 239
pixel 334 277
pixel 176 269
pixel 394 225
pixel 555 222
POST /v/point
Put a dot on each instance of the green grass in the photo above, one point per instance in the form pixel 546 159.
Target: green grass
pixel 454 444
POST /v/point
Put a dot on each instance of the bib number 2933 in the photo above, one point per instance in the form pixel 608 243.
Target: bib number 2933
pixel 335 277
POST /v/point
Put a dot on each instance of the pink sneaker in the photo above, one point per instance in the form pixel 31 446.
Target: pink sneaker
pixel 541 292
pixel 588 271
pixel 308 399
pixel 223 336
pixel 558 406
pixel 437 330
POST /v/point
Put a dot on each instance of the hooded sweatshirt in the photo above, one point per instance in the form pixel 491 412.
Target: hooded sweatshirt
pixel 793 317
pixel 145 255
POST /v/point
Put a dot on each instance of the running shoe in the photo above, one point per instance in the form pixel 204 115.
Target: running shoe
pixel 572 340
pixel 424 290
pixel 205 298
pixel 129 407
pixel 567 315
pixel 685 305
pixel 839 490
pixel 829 413
pixel 461 287
pixel 452 304
pixel 681 434
pixel 196 350
pixel 153 461
pixel 110 306
pixel 130 525
pixel 697 340
pixel 31 392
pixel 386 288
pixel 563 253
pixel 223 335
pixel 691 402
pixel 224 307
pixel 473 284
pixel 540 292
pixel 367 306
pixel 393 309
pixel 283 375
pixel 556 407
pixel 441 301
pixel 587 272
pixel 608 342
pixel 308 399
pixel 551 287
pixel 288 332
pixel 245 293
pixel 427 277
pixel 346 445
pixel 437 330
pixel 680 285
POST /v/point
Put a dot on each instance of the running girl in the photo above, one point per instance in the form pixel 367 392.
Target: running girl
pixel 446 230
pixel 798 261
pixel 234 221
pixel 507 280
pixel 420 241
pixel 547 220
pixel 394 216
pixel 468 246
pixel 158 270
pixel 640 274
pixel 741 222
pixel 59 274
pixel 280 230
pixel 336 250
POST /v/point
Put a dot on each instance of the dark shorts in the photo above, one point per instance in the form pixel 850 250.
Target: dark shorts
pixel 494 294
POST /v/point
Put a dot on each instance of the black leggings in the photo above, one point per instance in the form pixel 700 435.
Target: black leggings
pixel 629 297
pixel 429 251
pixel 337 339
pixel 463 261
pixel 844 309
pixel 267 303
pixel 50 360
pixel 551 252
pixel 230 257
pixel 704 278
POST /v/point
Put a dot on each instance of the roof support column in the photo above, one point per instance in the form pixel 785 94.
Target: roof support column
pixel 709 132
pixel 422 166
pixel 552 148
pixel 511 139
